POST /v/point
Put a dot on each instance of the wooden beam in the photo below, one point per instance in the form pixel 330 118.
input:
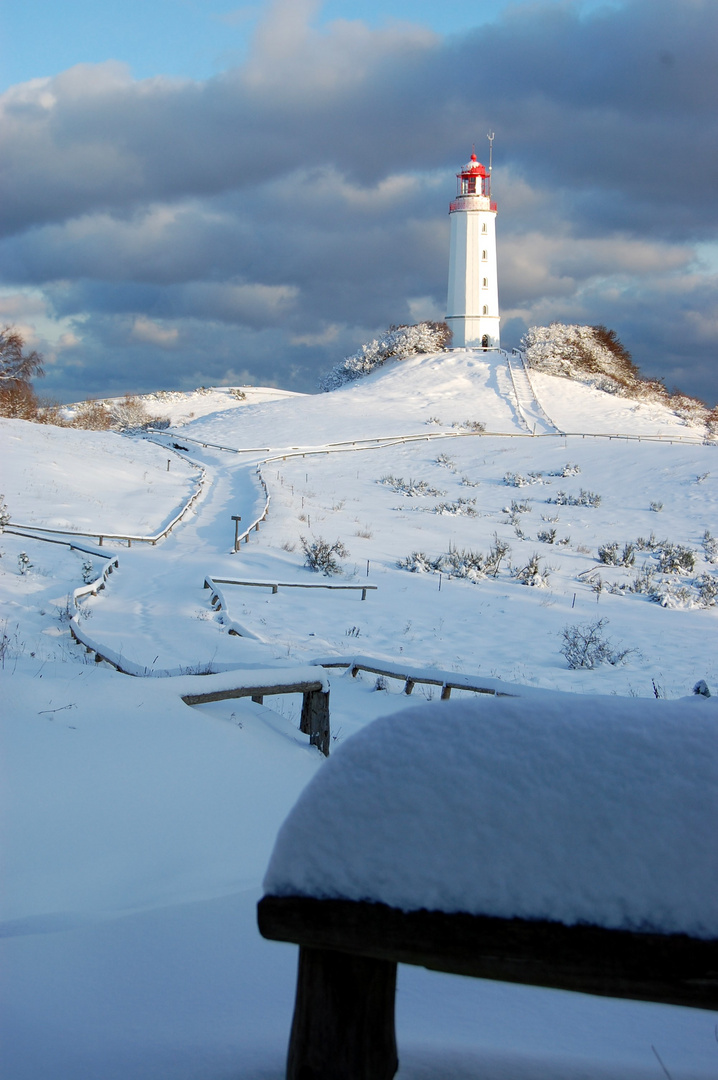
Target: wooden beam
pixel 250 691
pixel 673 969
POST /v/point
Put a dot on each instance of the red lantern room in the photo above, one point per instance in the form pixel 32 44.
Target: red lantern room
pixel 473 179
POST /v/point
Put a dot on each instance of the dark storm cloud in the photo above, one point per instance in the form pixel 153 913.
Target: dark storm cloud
pixel 307 190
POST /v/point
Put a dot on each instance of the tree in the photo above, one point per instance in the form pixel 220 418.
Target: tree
pixel 397 343
pixel 17 397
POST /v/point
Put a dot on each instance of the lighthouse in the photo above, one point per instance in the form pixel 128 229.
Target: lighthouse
pixel 473 303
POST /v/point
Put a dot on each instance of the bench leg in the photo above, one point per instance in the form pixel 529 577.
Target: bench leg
pixel 314 721
pixel 343 1026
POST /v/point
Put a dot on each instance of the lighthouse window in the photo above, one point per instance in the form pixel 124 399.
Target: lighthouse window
pixel 483 227
pixel 485 283
pixel 485 310
pixel 484 256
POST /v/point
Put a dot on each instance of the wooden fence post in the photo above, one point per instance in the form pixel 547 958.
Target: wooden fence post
pixel 315 719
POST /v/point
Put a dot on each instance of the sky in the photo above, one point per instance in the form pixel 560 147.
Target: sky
pixel 194 193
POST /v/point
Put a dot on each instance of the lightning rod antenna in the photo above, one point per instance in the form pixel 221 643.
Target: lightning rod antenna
pixel 490 137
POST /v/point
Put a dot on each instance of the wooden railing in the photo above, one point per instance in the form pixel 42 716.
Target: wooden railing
pixel 31 530
pixel 212 583
pixel 314 720
pixel 448 681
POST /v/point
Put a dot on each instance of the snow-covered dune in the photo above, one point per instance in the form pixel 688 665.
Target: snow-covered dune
pixel 136 829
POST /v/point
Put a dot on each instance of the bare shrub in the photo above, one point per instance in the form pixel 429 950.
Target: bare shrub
pixel 321 556
pixel 584 646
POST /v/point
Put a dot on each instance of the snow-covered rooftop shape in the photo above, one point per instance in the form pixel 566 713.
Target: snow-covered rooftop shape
pixel 473 167
pixel 570 808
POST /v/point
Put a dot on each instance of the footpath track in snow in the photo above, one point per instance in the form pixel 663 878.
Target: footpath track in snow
pixel 530 409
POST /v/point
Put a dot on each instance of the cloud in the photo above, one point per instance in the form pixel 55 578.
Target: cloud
pixel 145 329
pixel 298 202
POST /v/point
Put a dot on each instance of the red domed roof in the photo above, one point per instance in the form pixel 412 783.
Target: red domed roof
pixel 473 168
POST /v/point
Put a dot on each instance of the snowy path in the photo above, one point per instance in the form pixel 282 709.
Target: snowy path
pixel 530 410
pixel 155 611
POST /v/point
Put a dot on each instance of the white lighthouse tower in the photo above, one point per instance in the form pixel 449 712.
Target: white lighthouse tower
pixel 473 303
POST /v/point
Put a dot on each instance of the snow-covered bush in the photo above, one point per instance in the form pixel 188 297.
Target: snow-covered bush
pixel 396 344
pixel 459 508
pixel 569 469
pixel 518 508
pixel 459 562
pixel 710 546
pixel 23 562
pixel 237 393
pixel 410 488
pixel 670 595
pixel 4 513
pixel 417 563
pixel 477 426
pixel 124 414
pixel 649 543
pixel 547 536
pixel 676 559
pixel 656 507
pixel 512 479
pixel 707 588
pixel 532 574
pixel 644 582
pixel 612 556
pixel 584 498
pixel 594 355
pixel 462 563
pixel 319 555
pixel 590 353
pixel 586 647
pixel 88 572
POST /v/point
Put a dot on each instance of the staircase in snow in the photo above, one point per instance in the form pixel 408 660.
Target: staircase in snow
pixel 530 410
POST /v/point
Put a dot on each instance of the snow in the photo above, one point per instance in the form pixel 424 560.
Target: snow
pixel 595 810
pixel 116 488
pixel 137 829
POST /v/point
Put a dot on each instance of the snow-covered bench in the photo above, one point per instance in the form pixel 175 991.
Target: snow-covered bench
pixel 555 840
pixel 258 683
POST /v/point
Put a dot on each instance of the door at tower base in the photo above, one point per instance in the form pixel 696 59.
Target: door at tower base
pixel 473 333
pixel 473 297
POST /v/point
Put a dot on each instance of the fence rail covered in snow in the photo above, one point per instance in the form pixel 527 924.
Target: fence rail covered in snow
pixel 410 676
pixel 32 530
pixel 211 583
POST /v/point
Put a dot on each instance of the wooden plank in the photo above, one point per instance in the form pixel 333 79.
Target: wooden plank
pixel 250 691
pixel 673 969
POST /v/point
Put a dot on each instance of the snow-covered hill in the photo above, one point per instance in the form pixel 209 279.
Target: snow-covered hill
pixel 138 828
